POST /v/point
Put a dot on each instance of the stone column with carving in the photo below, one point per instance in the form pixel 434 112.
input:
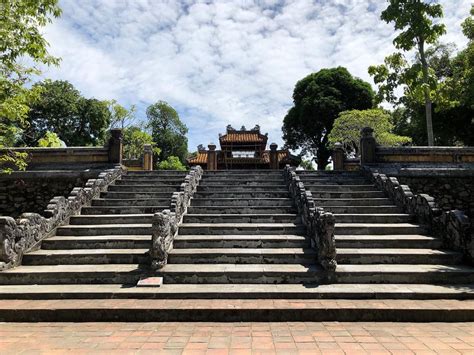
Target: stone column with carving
pixel 115 146
pixel 338 157
pixel 367 146
pixel 273 156
pixel 212 157
pixel 147 157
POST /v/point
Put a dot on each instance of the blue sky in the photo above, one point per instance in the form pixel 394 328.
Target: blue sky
pixel 219 62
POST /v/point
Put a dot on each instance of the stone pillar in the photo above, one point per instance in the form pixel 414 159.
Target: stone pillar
pixel 367 146
pixel 147 157
pixel 115 146
pixel 212 157
pixel 338 157
pixel 273 156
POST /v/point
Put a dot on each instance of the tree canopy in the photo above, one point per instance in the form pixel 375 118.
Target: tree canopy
pixel 60 108
pixel 171 163
pixel 167 130
pixel 318 100
pixel 134 138
pixel 415 21
pixel 20 37
pixel 348 125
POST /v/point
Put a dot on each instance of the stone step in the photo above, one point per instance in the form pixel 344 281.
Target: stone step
pixel 240 228
pixel 240 310
pixel 244 172
pixel 99 210
pixel 345 195
pixel 374 218
pixel 229 202
pixel 314 274
pixel 378 228
pixel 86 257
pixel 97 242
pixel 177 173
pixel 240 241
pixel 241 218
pixel 353 202
pixel 396 256
pixel 242 183
pixel 334 181
pixel 143 188
pixel 362 209
pixel 241 209
pixel 342 188
pixel 104 229
pixel 111 219
pixel 155 178
pixel 135 195
pixel 127 274
pixel 131 202
pixel 241 291
pixel 242 256
pixel 241 195
pixel 242 188
pixel 328 173
pixel 387 241
pixel 140 181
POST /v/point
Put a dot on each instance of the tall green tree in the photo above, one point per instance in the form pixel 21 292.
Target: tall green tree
pixel 62 109
pixel 168 131
pixel 415 21
pixel 318 100
pixel 134 138
pixel 20 37
pixel 120 116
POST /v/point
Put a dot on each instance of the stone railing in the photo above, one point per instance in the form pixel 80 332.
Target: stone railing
pixel 165 224
pixel 319 224
pixel 453 227
pixel 25 233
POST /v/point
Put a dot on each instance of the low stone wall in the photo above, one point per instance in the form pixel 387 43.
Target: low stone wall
pixel 31 191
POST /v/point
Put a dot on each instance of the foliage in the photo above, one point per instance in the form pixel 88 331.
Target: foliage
pixel 61 108
pixel 120 116
pixel 318 100
pixel 414 20
pixel 348 125
pixel 20 39
pixel 51 140
pixel 167 130
pixel 307 165
pixel 133 141
pixel 171 163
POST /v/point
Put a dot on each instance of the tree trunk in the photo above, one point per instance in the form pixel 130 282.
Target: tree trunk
pixel 428 102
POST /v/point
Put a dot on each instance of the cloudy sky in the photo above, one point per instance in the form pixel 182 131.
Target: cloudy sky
pixel 219 62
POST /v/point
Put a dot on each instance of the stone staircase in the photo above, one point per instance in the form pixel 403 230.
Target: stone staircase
pixel 108 242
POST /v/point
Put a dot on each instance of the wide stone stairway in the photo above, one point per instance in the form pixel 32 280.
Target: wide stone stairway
pixel 106 244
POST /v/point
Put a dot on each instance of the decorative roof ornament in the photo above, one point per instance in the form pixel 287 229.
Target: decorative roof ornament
pixel 243 128
pixel 230 128
pixel 256 128
pixel 201 148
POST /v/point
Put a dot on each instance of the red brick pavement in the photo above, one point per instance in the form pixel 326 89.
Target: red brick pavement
pixel 237 338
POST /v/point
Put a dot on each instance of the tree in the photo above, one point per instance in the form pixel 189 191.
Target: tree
pixel 318 100
pixel 167 130
pixel 348 125
pixel 414 18
pixel 51 140
pixel 120 116
pixel 171 163
pixel 61 108
pixel 134 138
pixel 307 165
pixel 20 38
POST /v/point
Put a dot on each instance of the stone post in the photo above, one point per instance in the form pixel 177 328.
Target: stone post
pixel 367 146
pixel 273 156
pixel 338 157
pixel 147 157
pixel 115 146
pixel 212 157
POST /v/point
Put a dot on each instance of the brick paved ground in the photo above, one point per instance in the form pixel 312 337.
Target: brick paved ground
pixel 237 338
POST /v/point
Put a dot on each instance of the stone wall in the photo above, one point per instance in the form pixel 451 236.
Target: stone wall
pixel 449 192
pixel 31 191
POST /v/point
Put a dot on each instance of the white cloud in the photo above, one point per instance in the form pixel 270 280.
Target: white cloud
pixel 219 62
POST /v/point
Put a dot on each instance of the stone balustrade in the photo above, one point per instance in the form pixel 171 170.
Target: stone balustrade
pixel 165 224
pixel 453 227
pixel 18 236
pixel 319 223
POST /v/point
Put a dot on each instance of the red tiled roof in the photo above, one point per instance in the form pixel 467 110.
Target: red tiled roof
pixel 200 158
pixel 243 137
